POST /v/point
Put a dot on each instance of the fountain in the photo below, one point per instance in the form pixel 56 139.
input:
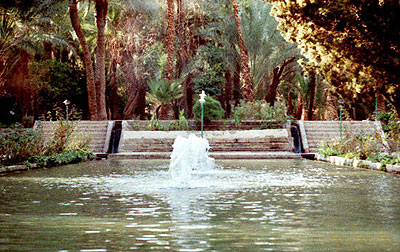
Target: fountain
pixel 189 155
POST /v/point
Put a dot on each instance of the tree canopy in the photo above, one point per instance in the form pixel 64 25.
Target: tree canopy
pixel 354 45
pixel 346 49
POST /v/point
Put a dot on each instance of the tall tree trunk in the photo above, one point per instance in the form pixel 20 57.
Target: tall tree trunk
pixel 310 109
pixel 330 108
pixel 87 59
pixel 140 109
pixel 114 96
pixel 171 40
pixel 273 87
pixel 101 16
pixel 188 97
pixel 277 76
pixel 300 107
pixel 381 103
pixel 134 103
pixel 290 103
pixel 236 85
pixel 228 93
pixel 247 86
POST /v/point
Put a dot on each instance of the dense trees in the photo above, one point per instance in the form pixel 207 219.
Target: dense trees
pixel 96 78
pixel 143 58
pixel 354 45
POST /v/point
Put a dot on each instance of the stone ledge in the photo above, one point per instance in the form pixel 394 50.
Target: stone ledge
pixel 358 163
pixel 216 155
pixel 16 168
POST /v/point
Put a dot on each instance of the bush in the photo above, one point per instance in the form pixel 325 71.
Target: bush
pixel 258 110
pixel 63 158
pixel 212 109
pixel 391 126
pixel 19 144
pixel 384 158
pixel 361 146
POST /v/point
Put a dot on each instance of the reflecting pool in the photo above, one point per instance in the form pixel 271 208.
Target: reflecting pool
pixel 243 205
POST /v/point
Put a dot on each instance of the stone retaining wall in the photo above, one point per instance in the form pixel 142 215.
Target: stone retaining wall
pixel 140 125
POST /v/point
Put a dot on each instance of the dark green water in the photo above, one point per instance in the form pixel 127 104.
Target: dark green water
pixel 248 205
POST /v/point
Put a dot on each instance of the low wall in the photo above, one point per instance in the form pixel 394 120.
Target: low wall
pixel 140 125
pixel 358 163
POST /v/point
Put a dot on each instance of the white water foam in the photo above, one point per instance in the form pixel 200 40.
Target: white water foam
pixel 189 155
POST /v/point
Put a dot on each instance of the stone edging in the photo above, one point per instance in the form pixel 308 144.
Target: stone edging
pixel 16 168
pixel 358 163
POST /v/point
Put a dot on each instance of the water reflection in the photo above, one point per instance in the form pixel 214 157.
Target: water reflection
pixel 246 206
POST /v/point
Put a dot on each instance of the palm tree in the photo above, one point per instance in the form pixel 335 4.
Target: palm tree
pixel 101 15
pixel 23 34
pixel 247 86
pixel 163 94
pixel 171 40
pixel 96 78
pixel 87 58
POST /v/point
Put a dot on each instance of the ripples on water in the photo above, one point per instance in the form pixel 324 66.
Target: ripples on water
pixel 275 205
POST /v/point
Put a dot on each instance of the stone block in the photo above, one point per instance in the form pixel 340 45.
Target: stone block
pixel 393 168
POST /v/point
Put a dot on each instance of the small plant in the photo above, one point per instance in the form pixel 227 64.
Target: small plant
pixel 384 158
pixel 361 146
pixel 330 148
pixel 212 109
pixel 391 126
pixel 155 124
pixel 183 122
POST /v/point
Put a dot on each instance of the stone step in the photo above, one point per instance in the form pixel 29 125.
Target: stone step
pixel 97 132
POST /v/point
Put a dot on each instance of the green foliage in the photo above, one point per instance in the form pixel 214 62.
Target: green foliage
pixel 384 159
pixel 212 109
pixel 156 124
pixel 62 133
pixel 258 110
pixel 63 158
pixel 18 144
pixel 181 124
pixel 360 145
pixel 162 92
pixel 352 44
pixel 56 81
pixel 391 126
pixel 210 61
pixel 330 148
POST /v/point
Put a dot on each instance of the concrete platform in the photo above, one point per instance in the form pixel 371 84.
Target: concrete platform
pixel 216 155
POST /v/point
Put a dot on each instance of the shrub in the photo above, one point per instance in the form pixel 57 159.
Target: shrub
pixel 63 158
pixel 18 144
pixel 258 110
pixel 361 146
pixel 391 126
pixel 212 109
pixel 384 158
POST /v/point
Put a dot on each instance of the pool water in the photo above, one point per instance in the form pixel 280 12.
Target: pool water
pixel 242 205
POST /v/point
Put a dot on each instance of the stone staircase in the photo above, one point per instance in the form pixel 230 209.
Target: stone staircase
pixel 314 132
pixel 272 143
pixel 97 132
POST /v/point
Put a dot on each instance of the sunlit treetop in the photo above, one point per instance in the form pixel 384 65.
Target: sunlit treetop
pixel 354 44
